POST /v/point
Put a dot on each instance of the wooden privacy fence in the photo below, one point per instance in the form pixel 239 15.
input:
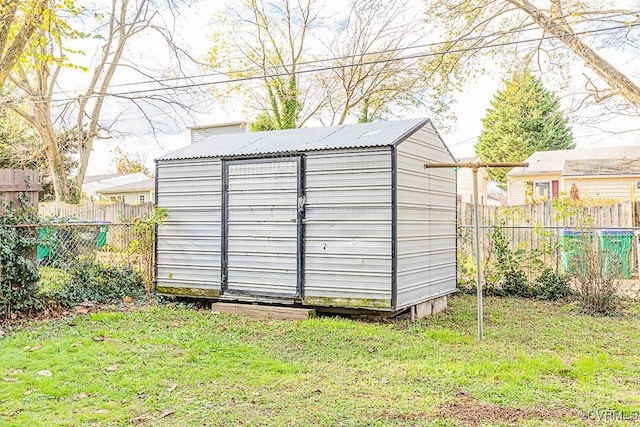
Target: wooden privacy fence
pixel 622 215
pixel 117 212
pixel 16 181
pixel 539 228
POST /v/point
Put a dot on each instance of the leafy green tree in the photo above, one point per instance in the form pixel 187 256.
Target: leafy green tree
pixel 127 163
pixel 20 148
pixel 553 34
pixel 524 117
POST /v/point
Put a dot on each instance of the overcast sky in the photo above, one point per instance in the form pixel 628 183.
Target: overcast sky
pixel 192 30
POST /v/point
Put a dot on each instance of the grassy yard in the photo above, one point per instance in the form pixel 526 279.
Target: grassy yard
pixel 540 364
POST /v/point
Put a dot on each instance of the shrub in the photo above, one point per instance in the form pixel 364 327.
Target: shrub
pixel 90 281
pixel 467 286
pixel 514 283
pixel 18 273
pixel 597 280
pixel 512 280
pixel 142 241
pixel 551 287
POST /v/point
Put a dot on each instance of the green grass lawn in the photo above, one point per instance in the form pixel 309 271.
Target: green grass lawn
pixel 540 364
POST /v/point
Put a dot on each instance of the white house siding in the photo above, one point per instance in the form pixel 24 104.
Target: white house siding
pixel 604 187
pixel 426 220
pixel 132 198
pixel 516 186
pixel 464 179
pixel 348 228
pixel 188 248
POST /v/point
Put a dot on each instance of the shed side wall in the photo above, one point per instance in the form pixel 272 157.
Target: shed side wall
pixel 426 212
pixel 188 247
pixel 348 228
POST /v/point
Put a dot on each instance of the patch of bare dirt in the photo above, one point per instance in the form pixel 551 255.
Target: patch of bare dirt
pixel 466 411
pixel 471 412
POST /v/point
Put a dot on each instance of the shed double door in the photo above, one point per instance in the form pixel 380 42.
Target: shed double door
pixel 263 216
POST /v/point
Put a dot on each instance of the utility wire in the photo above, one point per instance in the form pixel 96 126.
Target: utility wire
pixel 127 95
pixel 354 56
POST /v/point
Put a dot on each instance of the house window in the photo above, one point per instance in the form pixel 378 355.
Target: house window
pixel 542 190
pixel 142 198
pixel 116 198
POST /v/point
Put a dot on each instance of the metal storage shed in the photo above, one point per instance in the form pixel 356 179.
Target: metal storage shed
pixel 341 216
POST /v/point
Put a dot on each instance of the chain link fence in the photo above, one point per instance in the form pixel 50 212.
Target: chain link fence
pixel 62 243
pixel 537 247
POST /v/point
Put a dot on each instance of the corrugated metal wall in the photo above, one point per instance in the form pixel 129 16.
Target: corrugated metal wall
pixel 189 240
pixel 348 228
pixel 426 220
pixel 262 242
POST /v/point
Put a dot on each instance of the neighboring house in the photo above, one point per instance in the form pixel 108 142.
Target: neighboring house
pixel 132 193
pixel 465 182
pixel 199 133
pixel 95 184
pixel 598 173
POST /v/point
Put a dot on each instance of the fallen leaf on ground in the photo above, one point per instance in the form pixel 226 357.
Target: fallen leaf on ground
pixel 142 418
pixel 9 380
pixel 172 387
pixel 175 324
pixel 166 413
pixel 36 347
pixel 128 300
pixel 17 372
pixel 44 373
pixel 82 310
pixel 81 396
pixel 113 367
pixel 102 411
pixel 28 392
pixel 99 338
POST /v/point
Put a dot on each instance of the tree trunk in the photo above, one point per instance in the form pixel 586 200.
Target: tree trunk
pixel 559 28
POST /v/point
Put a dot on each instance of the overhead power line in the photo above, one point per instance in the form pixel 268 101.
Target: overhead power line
pixel 354 56
pixel 127 94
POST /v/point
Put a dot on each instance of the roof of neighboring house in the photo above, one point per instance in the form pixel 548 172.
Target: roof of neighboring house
pixel 237 124
pixel 94 178
pixel 361 135
pixel 97 185
pixel 625 167
pixel 132 187
pixel 555 162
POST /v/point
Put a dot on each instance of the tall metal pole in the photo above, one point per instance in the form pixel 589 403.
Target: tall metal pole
pixel 474 166
pixel 476 242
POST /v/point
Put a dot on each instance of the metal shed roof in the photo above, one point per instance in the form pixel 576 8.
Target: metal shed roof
pixel 361 135
pixel 602 167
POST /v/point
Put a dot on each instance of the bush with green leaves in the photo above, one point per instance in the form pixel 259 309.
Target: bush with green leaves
pixel 90 281
pixel 550 286
pixel 18 272
pixel 512 280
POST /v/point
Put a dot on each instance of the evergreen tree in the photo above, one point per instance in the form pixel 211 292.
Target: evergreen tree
pixel 524 117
